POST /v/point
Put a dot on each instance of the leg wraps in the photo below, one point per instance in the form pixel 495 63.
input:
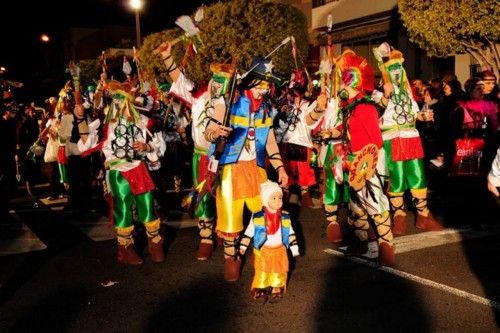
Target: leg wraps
pixel 359 222
pixel 420 201
pixel 177 184
pixel 230 247
pixel 397 205
pixel 331 213
pixel 383 226
pixel 206 228
pixel 153 230
pixel 124 236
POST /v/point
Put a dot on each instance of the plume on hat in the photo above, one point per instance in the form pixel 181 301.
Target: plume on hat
pixel 356 72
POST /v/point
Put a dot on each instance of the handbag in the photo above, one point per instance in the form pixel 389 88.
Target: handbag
pixel 468 157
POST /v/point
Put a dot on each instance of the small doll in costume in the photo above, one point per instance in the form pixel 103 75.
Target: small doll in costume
pixel 272 234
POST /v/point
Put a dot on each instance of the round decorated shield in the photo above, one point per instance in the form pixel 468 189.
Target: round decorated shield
pixel 363 166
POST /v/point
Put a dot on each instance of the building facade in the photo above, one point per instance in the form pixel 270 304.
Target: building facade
pixel 363 24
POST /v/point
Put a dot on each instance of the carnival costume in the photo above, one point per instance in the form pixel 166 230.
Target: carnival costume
pixel 402 144
pixel 202 109
pixel 327 118
pixel 272 234
pixel 296 137
pixel 241 164
pixel 127 146
pixel 362 140
pixel 73 130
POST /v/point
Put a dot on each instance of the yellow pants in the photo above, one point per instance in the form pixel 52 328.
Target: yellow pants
pixel 240 185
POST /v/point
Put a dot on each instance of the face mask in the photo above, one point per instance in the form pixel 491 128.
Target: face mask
pixel 343 95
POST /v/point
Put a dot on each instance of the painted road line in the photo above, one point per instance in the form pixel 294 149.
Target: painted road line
pixel 16 238
pixel 425 240
pixel 454 291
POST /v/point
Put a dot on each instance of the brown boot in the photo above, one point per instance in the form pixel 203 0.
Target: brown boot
pixel 204 251
pixel 155 241
pixel 428 223
pixel 386 254
pixel 127 255
pixel 206 246
pixel 333 232
pixel 399 225
pixel 126 251
pixel 399 214
pixel 156 251
pixel 232 267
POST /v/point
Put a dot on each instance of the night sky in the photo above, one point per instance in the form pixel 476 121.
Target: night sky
pixel 22 50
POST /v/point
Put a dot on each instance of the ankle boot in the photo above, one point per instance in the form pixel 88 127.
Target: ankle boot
pixel 127 255
pixel 386 254
pixel 155 241
pixel 232 267
pixel 399 215
pixel 428 223
pixel 126 251
pixel 155 249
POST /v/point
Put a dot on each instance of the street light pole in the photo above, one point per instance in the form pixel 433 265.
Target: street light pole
pixel 138 28
pixel 136 5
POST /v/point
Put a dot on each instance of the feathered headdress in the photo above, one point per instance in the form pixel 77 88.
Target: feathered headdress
pixel 391 61
pixel 122 92
pixel 355 71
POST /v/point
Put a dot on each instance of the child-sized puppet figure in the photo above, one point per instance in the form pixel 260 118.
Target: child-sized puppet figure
pixel 272 234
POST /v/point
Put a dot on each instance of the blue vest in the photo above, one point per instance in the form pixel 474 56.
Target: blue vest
pixel 260 235
pixel 240 123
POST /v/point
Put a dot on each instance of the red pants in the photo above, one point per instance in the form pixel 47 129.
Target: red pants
pixel 305 172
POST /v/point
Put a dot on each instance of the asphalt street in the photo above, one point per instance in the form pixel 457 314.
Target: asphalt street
pixel 59 273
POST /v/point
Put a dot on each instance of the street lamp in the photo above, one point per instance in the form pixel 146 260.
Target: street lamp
pixel 44 38
pixel 136 5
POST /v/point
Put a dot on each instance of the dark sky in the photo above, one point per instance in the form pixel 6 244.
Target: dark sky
pixel 22 23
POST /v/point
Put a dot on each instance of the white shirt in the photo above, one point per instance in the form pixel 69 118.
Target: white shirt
pixel 299 133
pixel 494 175
pixel 394 117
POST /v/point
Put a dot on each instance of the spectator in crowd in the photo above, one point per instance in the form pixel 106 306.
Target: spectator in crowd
pixel 8 156
pixel 452 94
pixel 494 175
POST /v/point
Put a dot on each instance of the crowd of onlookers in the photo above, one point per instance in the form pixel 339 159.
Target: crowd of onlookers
pixel 458 126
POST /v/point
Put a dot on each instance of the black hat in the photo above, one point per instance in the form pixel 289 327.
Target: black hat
pixel 262 69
